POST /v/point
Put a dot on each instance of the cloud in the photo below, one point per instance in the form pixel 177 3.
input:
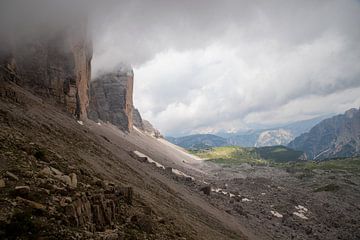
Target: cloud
pixel 268 78
pixel 205 66
pixel 209 65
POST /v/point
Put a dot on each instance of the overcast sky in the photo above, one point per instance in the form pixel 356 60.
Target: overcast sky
pixel 210 65
pixel 207 66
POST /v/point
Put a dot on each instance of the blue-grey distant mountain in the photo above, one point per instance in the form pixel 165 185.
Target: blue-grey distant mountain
pixel 338 136
pixel 198 141
pixel 281 135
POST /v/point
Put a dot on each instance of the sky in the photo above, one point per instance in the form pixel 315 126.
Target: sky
pixel 204 66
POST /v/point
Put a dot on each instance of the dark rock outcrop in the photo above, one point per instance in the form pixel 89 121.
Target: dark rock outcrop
pixel 137 119
pixel 111 98
pixel 56 67
pixel 338 136
pixel 150 129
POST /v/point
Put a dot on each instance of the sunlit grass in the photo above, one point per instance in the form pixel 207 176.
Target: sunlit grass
pixel 277 156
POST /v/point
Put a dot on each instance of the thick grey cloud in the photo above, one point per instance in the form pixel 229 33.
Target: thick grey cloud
pixel 204 66
pixel 240 64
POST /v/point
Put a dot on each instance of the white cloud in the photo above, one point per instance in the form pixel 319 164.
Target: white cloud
pixel 220 88
pixel 204 66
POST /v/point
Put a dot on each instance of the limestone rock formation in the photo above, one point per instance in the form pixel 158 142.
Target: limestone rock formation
pixel 111 98
pixel 150 129
pixel 338 136
pixel 56 67
pixel 274 137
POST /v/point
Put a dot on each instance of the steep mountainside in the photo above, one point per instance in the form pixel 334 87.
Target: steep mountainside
pixel 338 136
pixel 67 179
pixel 62 179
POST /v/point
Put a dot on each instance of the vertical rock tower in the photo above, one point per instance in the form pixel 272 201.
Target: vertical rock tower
pixel 111 98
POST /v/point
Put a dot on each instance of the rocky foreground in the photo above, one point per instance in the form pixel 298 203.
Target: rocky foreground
pixel 71 179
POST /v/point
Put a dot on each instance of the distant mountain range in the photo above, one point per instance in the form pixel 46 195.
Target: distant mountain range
pixel 253 138
pixel 198 141
pixel 338 136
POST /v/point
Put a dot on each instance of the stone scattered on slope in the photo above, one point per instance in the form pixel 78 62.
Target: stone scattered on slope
pixel 11 175
pixel 2 183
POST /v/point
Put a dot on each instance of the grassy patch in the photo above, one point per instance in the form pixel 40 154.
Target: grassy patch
pixel 234 155
pixel 278 153
pixel 276 156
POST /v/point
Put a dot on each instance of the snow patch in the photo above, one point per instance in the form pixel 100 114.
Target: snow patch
pixel 180 173
pixel 80 122
pixel 149 160
pixel 301 210
pixel 216 190
pixel 276 214
pixel 245 200
pixel 300 215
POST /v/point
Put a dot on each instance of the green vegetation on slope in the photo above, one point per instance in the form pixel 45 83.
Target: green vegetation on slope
pixel 233 155
pixel 276 156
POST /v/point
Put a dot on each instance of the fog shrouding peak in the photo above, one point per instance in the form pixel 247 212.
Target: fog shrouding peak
pixel 206 66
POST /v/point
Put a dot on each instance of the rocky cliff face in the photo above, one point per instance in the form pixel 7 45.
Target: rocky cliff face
pixel 274 137
pixel 111 98
pixel 137 119
pixel 338 136
pixel 56 67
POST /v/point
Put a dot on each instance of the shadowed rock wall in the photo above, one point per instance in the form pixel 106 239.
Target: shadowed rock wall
pixel 112 98
pixel 56 67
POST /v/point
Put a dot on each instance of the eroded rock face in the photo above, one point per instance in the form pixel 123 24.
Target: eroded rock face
pixel 338 136
pixel 56 67
pixel 111 98
pixel 150 129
